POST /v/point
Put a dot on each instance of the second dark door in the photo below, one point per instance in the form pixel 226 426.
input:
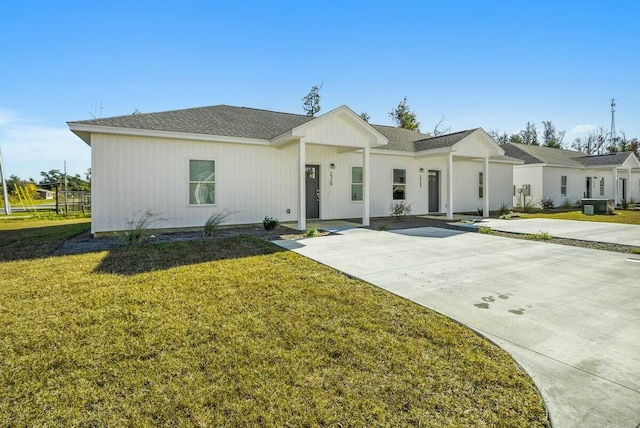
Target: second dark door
pixel 313 191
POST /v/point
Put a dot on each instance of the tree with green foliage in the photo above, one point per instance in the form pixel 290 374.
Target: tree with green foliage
pixel 501 138
pixel 55 178
pixel 551 137
pixel 311 103
pixel 365 116
pixel 529 135
pixel 404 117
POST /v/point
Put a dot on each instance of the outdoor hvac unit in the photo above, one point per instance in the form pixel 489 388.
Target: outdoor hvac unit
pixel 587 209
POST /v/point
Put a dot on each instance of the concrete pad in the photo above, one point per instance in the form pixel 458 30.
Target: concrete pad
pixel 570 316
pixel 326 225
pixel 612 233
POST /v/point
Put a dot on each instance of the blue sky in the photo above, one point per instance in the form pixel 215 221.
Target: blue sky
pixel 489 64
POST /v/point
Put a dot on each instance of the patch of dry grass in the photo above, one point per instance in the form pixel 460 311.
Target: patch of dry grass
pixel 236 332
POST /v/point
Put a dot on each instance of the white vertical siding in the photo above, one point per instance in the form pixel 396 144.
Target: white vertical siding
pixel 528 174
pixel 465 186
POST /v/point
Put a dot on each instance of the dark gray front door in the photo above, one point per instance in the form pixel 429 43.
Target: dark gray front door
pixel 588 192
pixel 434 191
pixel 313 191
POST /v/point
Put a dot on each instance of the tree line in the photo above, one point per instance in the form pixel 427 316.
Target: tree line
pixel 596 141
pixel 51 180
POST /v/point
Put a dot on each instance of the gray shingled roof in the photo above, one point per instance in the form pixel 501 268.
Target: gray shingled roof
pixel 538 154
pixel 548 155
pixel 448 140
pixel 605 159
pixel 246 122
pixel 399 138
pixel 215 120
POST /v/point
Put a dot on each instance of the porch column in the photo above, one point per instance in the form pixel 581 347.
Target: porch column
pixel 302 180
pixel 450 187
pixel 615 186
pixel 365 191
pixel 485 187
pixel 628 184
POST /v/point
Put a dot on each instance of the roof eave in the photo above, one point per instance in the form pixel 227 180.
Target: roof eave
pixel 84 131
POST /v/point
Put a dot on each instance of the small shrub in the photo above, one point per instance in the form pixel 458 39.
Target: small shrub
pixel 479 211
pixel 542 236
pixel 400 209
pixel 383 227
pixel 624 204
pixel 547 203
pixel 504 209
pixel 270 223
pixel 137 228
pixel 566 204
pixel 213 223
pixel 311 232
pixel 528 206
pixel 486 230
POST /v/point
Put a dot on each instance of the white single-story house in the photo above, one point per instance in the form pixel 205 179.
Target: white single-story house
pixel 566 175
pixel 185 165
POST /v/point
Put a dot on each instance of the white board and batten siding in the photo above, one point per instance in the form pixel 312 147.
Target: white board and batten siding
pixel 132 175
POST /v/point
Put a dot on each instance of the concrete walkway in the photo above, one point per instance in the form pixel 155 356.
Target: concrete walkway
pixel 613 233
pixel 570 316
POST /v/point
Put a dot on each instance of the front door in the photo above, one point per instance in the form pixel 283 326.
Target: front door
pixel 313 190
pixel 588 192
pixel 434 191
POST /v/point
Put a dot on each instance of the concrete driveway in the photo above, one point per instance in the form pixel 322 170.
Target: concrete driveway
pixel 613 233
pixel 570 316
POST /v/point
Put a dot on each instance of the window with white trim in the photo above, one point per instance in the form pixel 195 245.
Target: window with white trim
pixel 399 184
pixel 480 185
pixel 356 183
pixel 202 182
pixel 563 185
pixel 601 186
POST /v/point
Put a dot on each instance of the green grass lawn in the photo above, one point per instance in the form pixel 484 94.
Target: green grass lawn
pixel 236 332
pixel 619 216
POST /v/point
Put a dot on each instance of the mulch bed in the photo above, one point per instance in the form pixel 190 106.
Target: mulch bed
pixel 86 243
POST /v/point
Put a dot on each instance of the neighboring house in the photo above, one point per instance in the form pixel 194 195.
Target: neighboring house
pixel 186 165
pixel 566 175
pixel 45 194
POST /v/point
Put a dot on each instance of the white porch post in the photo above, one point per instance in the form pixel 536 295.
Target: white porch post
pixel 628 184
pixel 365 193
pixel 485 187
pixel 302 179
pixel 615 186
pixel 450 187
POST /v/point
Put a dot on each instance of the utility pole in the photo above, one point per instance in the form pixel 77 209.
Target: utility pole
pixel 612 134
pixel 66 207
pixel 5 193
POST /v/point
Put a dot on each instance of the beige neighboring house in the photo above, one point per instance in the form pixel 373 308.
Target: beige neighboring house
pixel 185 165
pixel 45 194
pixel 569 175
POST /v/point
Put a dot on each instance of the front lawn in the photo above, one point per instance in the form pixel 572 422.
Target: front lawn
pixel 619 216
pixel 237 332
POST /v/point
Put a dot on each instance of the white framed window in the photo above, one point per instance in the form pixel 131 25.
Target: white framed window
pixel 601 186
pixel 202 182
pixel 563 185
pixel 399 184
pixel 480 185
pixel 356 183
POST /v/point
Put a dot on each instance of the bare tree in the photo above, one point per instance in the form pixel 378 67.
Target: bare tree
pixel 594 143
pixel 440 131
pixel 96 110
